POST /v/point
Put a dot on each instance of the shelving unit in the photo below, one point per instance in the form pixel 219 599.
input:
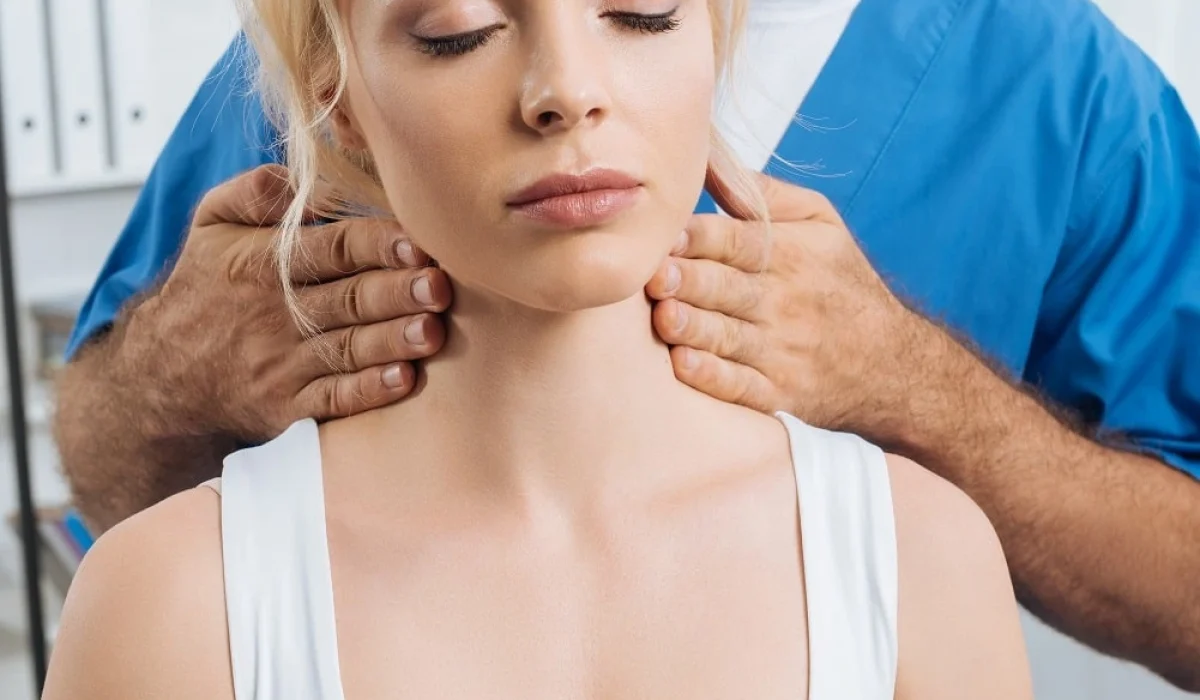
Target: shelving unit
pixel 27 517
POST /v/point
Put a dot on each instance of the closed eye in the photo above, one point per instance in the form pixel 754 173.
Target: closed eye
pixel 649 24
pixel 456 44
pixel 466 42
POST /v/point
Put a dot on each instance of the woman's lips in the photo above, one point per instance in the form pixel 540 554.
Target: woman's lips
pixel 577 201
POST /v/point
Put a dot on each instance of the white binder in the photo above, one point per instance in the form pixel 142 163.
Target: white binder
pixel 79 88
pixel 28 117
pixel 131 108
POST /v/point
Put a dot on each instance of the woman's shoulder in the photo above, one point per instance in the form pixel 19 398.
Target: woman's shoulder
pixel 174 541
pixel 959 629
pixel 932 510
pixel 145 615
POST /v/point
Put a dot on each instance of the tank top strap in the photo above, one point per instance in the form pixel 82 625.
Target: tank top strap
pixel 278 583
pixel 848 536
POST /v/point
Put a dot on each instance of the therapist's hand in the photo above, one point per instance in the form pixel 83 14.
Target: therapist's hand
pixel 790 318
pixel 237 363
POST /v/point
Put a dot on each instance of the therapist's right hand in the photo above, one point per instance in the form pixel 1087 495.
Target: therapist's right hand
pixel 241 365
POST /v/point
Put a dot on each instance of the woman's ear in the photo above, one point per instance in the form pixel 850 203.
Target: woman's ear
pixel 345 129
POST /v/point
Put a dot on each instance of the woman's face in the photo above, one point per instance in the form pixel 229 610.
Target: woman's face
pixel 477 112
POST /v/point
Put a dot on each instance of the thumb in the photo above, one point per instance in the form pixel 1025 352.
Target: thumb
pixel 784 201
pixel 259 197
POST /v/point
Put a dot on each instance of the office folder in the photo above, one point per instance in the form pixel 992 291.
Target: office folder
pixel 131 108
pixel 28 116
pixel 79 87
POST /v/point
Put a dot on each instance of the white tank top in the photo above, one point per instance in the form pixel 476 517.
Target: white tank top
pixel 279 589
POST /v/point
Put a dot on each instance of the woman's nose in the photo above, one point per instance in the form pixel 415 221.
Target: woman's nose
pixel 567 86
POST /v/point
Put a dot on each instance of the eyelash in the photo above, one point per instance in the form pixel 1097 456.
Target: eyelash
pixel 456 44
pixel 648 24
pixel 459 44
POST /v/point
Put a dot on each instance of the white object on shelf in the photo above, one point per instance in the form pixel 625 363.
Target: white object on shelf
pixel 126 25
pixel 57 185
pixel 28 119
pixel 78 70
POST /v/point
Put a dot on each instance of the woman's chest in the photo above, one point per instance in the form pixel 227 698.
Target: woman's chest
pixel 706 613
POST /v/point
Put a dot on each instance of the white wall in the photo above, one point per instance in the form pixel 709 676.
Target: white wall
pixel 62 239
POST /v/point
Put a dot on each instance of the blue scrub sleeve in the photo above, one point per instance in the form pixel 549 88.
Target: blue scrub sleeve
pixel 1119 337
pixel 224 132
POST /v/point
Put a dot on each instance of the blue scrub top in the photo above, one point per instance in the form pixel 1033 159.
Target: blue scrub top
pixel 1018 169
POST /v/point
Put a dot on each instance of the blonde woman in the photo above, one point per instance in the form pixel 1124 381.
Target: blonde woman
pixel 554 515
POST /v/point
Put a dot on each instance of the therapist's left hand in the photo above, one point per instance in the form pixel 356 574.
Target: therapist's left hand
pixel 790 318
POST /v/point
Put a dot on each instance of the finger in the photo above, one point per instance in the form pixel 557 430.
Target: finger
pixel 374 296
pixel 741 244
pixel 356 348
pixel 259 197
pixel 680 324
pixel 708 285
pixel 783 200
pixel 728 381
pixel 341 395
pixel 342 248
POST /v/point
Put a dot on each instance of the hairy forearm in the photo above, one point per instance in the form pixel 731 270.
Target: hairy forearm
pixel 124 431
pixel 1101 542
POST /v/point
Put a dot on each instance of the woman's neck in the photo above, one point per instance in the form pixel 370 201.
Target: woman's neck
pixel 537 401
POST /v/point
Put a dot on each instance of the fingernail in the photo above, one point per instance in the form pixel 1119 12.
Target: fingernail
pixel 689 359
pixel 414 332
pixel 673 277
pixel 393 377
pixel 406 253
pixel 422 291
pixel 680 317
pixel 681 245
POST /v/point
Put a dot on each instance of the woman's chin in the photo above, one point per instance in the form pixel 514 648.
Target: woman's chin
pixel 587 292
pixel 596 283
pixel 575 277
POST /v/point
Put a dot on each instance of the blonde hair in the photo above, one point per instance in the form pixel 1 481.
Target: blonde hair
pixel 301 62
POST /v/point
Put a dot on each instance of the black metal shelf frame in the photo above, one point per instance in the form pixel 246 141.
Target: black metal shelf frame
pixel 19 430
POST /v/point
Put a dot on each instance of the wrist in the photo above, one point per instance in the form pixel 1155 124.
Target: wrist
pixel 947 396
pixel 158 377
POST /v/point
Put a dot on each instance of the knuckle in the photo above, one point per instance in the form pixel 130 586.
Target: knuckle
pixel 386 250
pixel 759 255
pixel 746 295
pixel 400 294
pixel 723 282
pixel 731 245
pixel 345 349
pixel 354 300
pixel 738 290
pixel 309 402
pixel 335 399
pixel 267 186
pixel 732 345
pixel 367 393
pixel 263 180
pixel 755 348
pixel 207 203
pixel 743 390
pixel 338 249
pixel 393 342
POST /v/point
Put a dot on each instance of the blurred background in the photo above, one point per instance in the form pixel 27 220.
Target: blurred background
pixel 80 143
